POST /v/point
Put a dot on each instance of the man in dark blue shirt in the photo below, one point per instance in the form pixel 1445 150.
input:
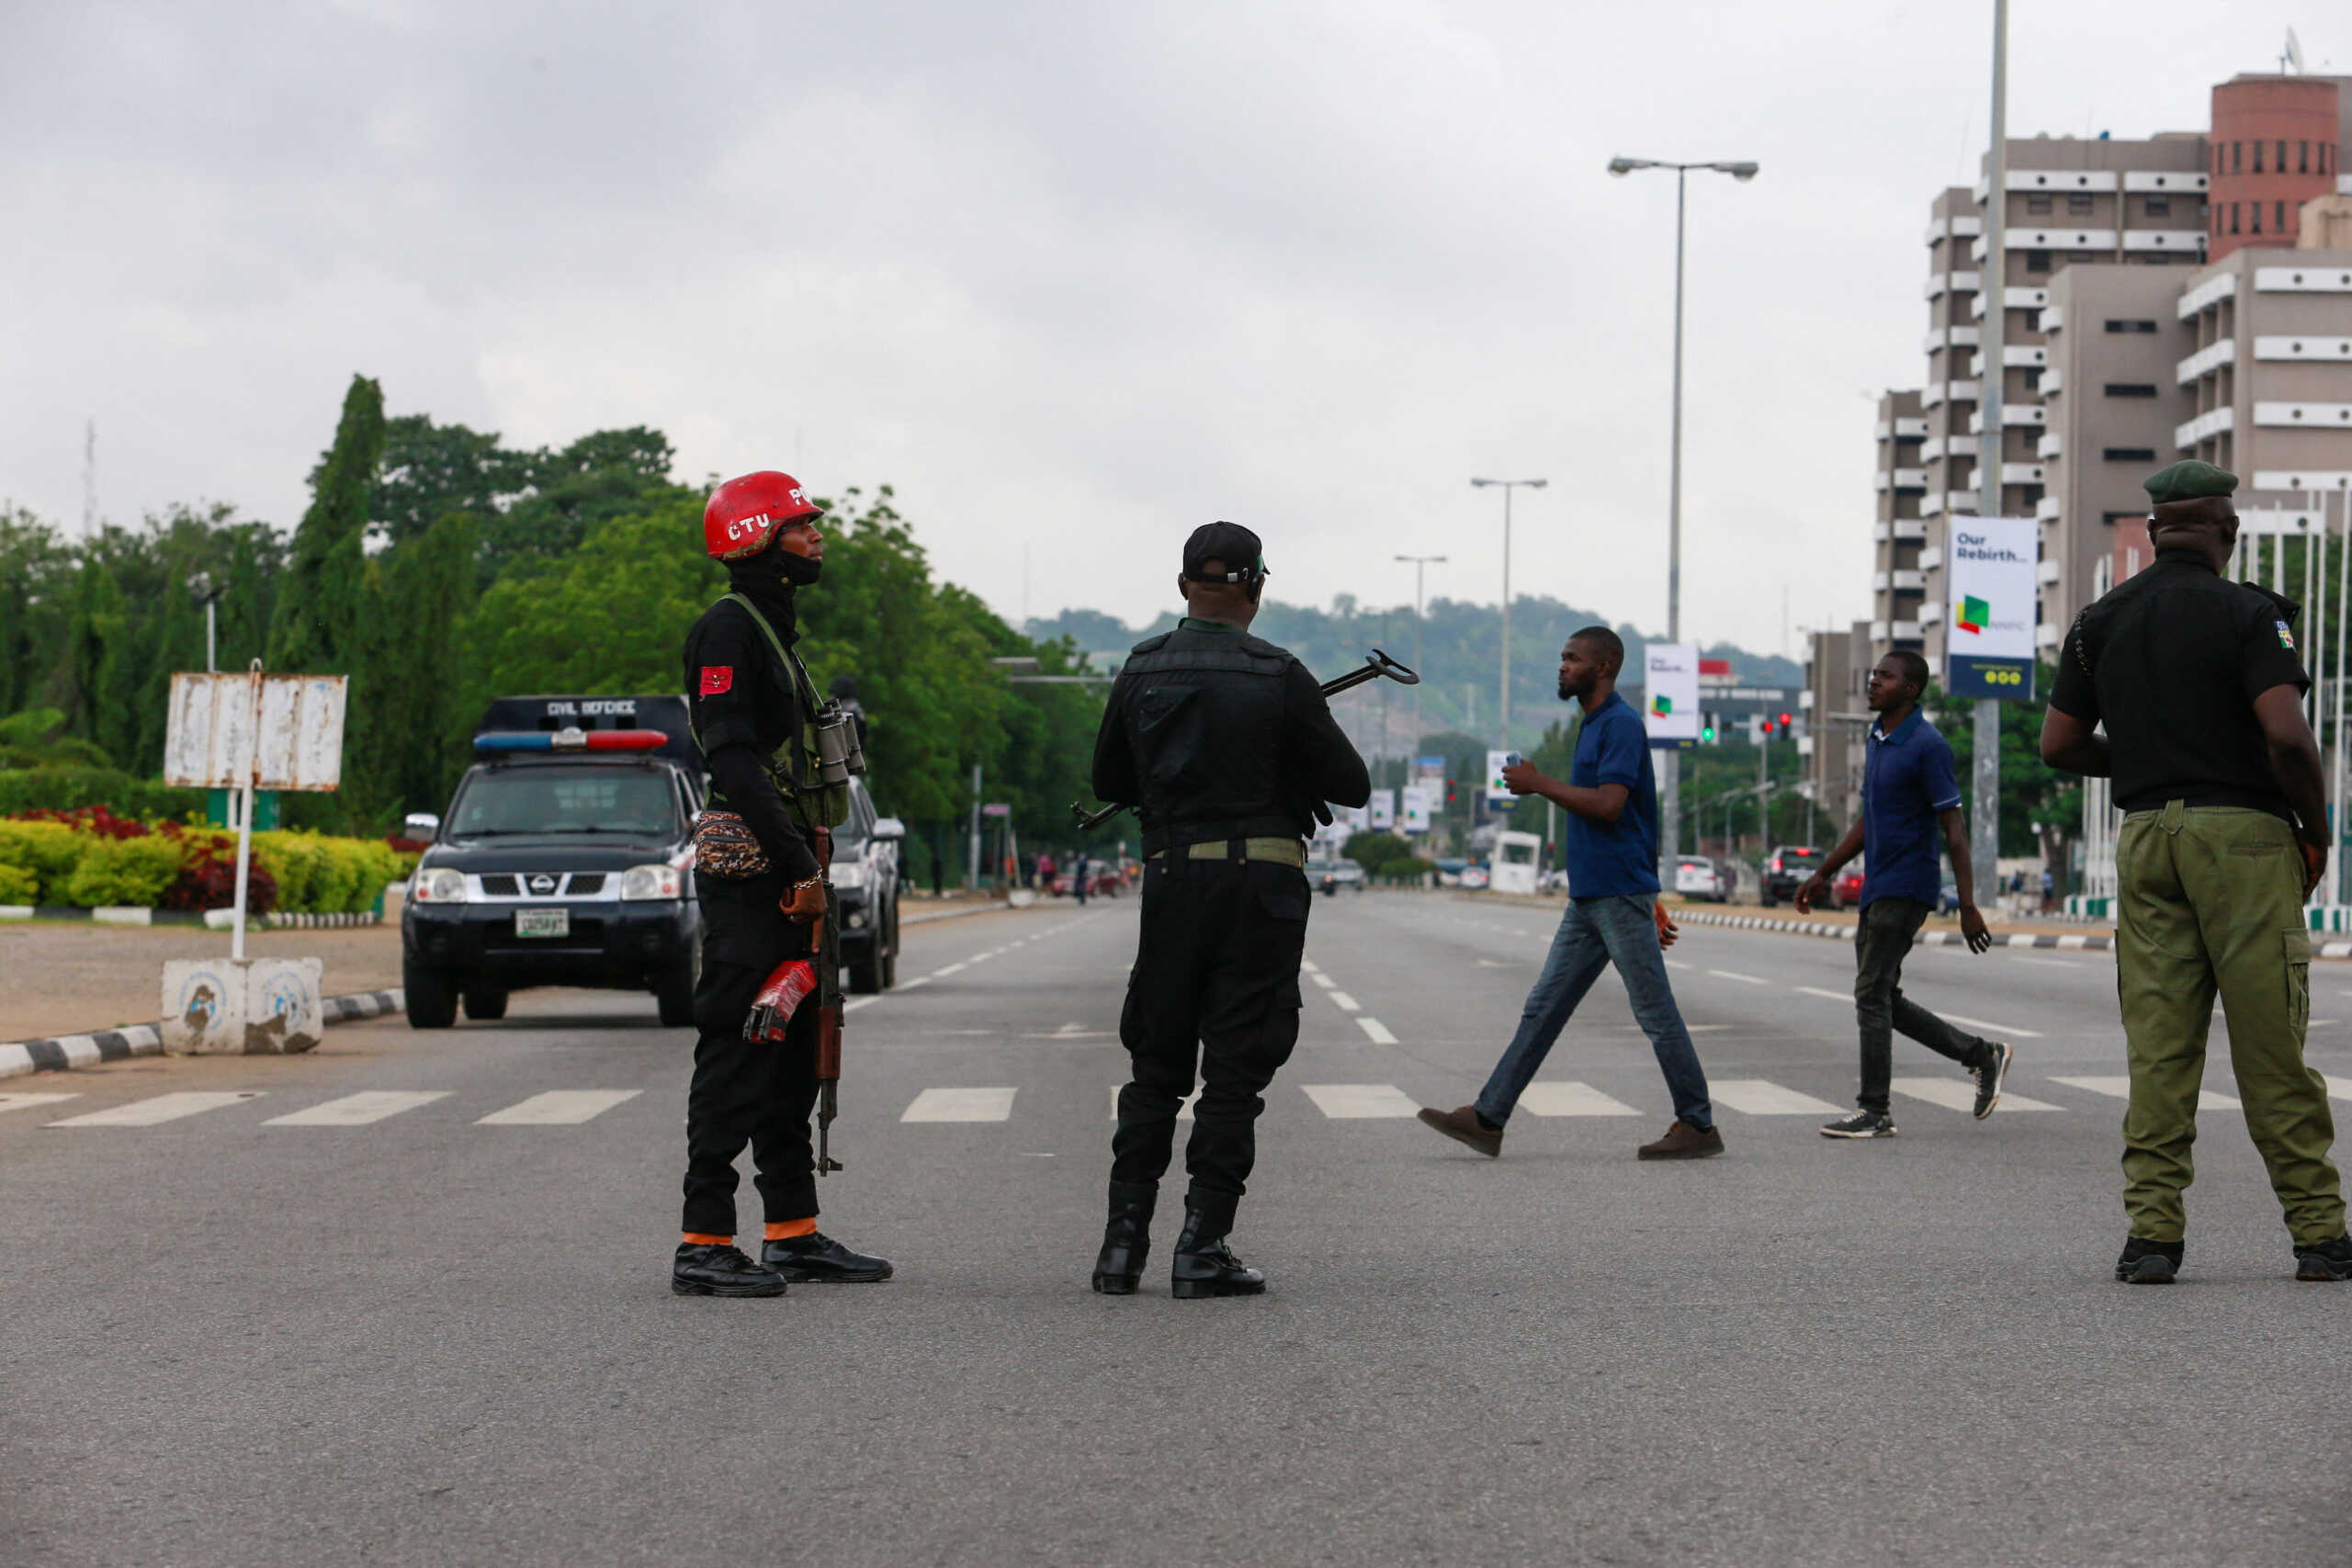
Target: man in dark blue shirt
pixel 1612 916
pixel 1909 794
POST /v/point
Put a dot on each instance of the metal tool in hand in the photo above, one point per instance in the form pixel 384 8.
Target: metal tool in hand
pixel 1376 666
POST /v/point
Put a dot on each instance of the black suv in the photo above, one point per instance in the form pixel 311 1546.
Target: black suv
pixel 866 877
pixel 564 859
pixel 1785 870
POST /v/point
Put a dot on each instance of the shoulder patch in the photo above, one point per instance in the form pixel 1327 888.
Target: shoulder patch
pixel 717 679
pixel 2286 637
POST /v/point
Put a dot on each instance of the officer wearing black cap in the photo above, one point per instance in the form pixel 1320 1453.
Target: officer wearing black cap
pixel 1225 745
pixel 2224 835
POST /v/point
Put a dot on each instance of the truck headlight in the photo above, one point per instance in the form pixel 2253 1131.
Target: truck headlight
pixel 438 887
pixel 652 882
pixel 851 874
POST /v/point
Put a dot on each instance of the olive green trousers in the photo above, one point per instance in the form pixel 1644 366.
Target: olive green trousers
pixel 2211 899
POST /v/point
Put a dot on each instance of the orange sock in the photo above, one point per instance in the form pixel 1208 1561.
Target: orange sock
pixel 695 1238
pixel 785 1230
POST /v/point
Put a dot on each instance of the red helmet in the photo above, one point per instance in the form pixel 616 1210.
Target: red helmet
pixel 744 514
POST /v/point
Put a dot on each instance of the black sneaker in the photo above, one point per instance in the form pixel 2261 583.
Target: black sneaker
pixel 702 1270
pixel 1989 1075
pixel 2148 1263
pixel 818 1258
pixel 2324 1260
pixel 1860 1124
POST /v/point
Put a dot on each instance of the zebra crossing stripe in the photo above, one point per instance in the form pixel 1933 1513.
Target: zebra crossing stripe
pixel 1183 1107
pixel 1359 1102
pixel 26 1101
pixel 1959 1094
pixel 559 1108
pixel 1571 1099
pixel 2120 1089
pixel 159 1109
pixel 359 1109
pixel 1756 1097
pixel 960 1105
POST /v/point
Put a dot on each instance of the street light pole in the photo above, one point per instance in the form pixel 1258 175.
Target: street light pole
pixel 1419 565
pixel 1671 783
pixel 1507 486
pixel 1992 443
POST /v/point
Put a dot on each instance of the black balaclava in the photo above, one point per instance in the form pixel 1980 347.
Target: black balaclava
pixel 769 580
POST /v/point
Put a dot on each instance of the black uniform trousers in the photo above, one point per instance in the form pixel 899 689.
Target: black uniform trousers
pixel 1214 988
pixel 748 1092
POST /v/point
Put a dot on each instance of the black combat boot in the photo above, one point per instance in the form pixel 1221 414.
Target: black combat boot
pixel 702 1270
pixel 1204 1266
pixel 1127 1238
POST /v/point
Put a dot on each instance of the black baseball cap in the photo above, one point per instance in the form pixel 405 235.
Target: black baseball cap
pixel 1240 550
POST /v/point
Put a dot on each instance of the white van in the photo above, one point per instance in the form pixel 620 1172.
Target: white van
pixel 1513 867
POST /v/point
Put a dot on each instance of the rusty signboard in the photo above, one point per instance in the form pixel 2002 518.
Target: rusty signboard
pixel 228 731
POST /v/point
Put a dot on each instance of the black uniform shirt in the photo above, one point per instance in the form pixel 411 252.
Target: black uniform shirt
pixel 2172 660
pixel 1233 739
pixel 744 707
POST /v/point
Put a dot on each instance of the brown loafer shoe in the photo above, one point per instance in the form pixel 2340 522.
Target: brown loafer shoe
pixel 1464 1127
pixel 1681 1142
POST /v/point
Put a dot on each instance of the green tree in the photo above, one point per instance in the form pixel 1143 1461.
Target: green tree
pixel 322 612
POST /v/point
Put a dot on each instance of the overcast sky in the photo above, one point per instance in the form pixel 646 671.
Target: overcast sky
pixel 1073 276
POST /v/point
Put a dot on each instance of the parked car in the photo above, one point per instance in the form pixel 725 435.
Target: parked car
pixel 1103 880
pixel 1327 874
pixel 1449 871
pixel 1476 877
pixel 1846 893
pixel 1698 876
pixel 1785 870
pixel 865 880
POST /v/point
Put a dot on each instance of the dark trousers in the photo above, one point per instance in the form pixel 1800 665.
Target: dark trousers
pixel 1214 988
pixel 1881 941
pixel 748 1093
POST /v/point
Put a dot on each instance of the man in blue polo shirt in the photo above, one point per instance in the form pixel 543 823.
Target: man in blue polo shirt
pixel 1613 914
pixel 1909 794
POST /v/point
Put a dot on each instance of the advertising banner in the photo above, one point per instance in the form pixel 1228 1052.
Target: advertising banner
pixel 1384 810
pixel 1670 695
pixel 1419 800
pixel 1989 645
pixel 1498 795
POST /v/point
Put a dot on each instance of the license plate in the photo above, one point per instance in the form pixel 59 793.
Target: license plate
pixel 542 922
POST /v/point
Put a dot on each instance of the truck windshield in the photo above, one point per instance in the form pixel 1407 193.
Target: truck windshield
pixel 633 802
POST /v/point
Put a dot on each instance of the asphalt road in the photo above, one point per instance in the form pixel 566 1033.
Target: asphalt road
pixel 420 1336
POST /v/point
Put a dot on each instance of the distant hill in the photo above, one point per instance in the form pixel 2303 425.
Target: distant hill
pixel 1461 651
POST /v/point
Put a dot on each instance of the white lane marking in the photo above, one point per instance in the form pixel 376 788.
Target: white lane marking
pixel 1343 1001
pixel 1758 1097
pixel 1571 1099
pixel 951 969
pixel 1678 963
pixel 26 1101
pixel 1958 1094
pixel 1377 1029
pixel 1743 979
pixel 559 1108
pixel 960 1105
pixel 1321 979
pixel 976 958
pixel 2120 1089
pixel 856 1002
pixel 1184 1107
pixel 910 985
pixel 161 1108
pixel 1308 965
pixel 2338 1088
pixel 2003 1029
pixel 1826 996
pixel 1359 1102
pixel 358 1110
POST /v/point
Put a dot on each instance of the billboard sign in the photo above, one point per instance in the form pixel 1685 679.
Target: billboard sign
pixel 1419 801
pixel 1670 695
pixel 269 731
pixel 1989 649
pixel 1498 794
pixel 1384 810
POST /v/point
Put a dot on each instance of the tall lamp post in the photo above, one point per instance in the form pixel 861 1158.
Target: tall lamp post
pixel 1671 786
pixel 1507 486
pixel 1420 564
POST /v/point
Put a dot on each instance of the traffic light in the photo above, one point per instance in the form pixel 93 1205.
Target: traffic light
pixel 1767 728
pixel 1707 732
pixel 1784 721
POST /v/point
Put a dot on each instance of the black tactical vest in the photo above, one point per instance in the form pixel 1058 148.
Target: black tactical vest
pixel 1205 723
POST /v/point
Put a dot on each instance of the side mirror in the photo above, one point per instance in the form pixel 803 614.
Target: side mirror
pixel 889 828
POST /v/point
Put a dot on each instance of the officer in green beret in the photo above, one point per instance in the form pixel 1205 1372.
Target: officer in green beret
pixel 2224 835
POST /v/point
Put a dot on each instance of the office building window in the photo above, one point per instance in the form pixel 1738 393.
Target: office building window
pixel 2160 207
pixel 2256 226
pixel 2078 205
pixel 2237 157
pixel 2134 327
pixel 2302 157
pixel 2257 157
pixel 2037 206
pixel 2278 217
pixel 2233 218
pixel 2278 165
pixel 2037 261
pixel 2130 454
pixel 2131 389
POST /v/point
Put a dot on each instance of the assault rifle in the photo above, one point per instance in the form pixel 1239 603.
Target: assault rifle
pixel 1376 665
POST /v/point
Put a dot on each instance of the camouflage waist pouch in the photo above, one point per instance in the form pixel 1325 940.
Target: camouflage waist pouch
pixel 725 848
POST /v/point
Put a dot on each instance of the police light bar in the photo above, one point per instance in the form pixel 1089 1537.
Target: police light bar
pixel 501 740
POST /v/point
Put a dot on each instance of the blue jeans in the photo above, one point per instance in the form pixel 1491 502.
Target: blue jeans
pixel 1595 933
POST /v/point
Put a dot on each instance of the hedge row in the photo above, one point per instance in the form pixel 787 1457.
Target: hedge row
pixel 99 858
pixel 68 789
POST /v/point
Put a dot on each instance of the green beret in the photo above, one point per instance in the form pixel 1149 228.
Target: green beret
pixel 2187 481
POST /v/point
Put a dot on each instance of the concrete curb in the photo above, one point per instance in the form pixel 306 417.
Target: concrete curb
pixel 2085 943
pixel 63 1052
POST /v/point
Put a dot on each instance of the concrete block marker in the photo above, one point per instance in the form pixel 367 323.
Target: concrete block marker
pixel 1571 1099
pixel 960 1105
pixel 2120 1088
pixel 359 1109
pixel 1755 1096
pixel 559 1108
pixel 1360 1101
pixel 65 1050
pixel 159 1109
pixel 242 1007
pixel 1960 1094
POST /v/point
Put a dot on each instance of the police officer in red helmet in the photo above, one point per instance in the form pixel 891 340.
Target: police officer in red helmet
pixel 760 882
